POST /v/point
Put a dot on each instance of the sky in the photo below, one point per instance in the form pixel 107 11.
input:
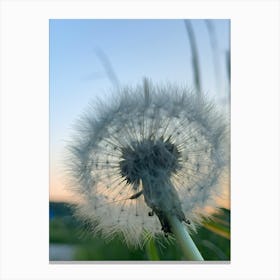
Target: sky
pixel 90 58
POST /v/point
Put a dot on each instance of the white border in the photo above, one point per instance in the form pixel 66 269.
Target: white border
pixel 255 138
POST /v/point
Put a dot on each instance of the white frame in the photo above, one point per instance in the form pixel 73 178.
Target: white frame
pixel 254 127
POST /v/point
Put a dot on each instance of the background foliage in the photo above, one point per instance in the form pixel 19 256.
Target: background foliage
pixel 212 239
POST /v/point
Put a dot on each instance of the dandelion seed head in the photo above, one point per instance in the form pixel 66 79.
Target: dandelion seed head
pixel 152 150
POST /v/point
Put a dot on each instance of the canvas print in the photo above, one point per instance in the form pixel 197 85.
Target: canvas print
pixel 139 140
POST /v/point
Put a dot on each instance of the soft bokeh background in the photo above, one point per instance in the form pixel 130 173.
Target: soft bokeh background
pixel 89 58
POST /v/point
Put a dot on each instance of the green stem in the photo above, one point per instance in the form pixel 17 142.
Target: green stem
pixel 183 238
pixel 151 250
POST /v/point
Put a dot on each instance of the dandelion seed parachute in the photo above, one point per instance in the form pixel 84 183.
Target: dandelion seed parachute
pixel 154 149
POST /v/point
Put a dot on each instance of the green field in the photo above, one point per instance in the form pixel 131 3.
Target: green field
pixel 212 239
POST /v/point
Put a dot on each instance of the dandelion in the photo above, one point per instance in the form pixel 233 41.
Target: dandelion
pixel 149 163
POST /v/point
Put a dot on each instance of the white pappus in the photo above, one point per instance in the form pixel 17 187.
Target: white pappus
pixel 152 151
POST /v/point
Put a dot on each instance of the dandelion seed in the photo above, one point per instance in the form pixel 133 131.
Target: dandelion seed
pixel 153 152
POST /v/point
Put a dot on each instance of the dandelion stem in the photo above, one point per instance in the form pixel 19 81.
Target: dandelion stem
pixel 183 238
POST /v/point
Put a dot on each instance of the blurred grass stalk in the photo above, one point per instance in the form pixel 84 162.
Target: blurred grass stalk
pixel 214 47
pixel 151 250
pixel 218 226
pixel 183 238
pixel 195 59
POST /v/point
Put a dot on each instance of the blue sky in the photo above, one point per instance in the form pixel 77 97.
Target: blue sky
pixel 158 49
